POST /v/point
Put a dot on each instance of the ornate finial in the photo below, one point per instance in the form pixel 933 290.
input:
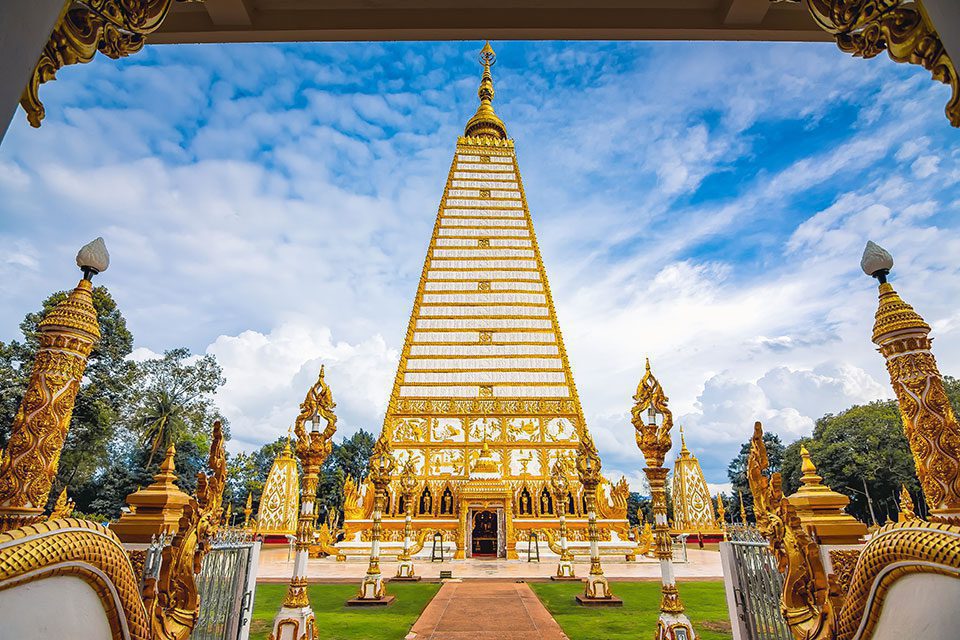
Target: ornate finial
pixel 876 261
pixel 485 122
pixel 93 258
pixel 684 452
pixel 652 419
pixel 906 505
pixel 808 469
pixel 743 509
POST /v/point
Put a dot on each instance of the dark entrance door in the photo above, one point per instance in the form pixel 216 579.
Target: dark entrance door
pixel 484 536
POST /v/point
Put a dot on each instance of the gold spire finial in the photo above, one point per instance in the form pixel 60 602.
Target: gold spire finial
pixel 485 122
pixel 684 452
pixel 808 469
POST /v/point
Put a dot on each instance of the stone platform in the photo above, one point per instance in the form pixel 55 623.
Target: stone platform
pixel 275 567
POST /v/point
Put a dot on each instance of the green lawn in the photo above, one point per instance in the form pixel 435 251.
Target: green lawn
pixel 339 622
pixel 705 602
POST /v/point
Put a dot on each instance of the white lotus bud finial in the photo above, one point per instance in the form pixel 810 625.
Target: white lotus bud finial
pixel 93 258
pixel 876 261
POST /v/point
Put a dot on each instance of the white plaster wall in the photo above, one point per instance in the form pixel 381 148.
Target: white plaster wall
pixel 921 606
pixel 56 607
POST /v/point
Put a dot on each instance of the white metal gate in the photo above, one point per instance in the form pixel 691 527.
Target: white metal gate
pixel 757 585
pixel 226 585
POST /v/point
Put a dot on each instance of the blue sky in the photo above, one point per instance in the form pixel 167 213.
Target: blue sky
pixel 703 204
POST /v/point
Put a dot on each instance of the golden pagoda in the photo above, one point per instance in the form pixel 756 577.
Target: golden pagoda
pixel 280 500
pixel 692 504
pixel 822 510
pixel 483 401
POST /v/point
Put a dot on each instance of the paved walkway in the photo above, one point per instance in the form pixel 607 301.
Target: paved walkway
pixel 275 566
pixel 464 611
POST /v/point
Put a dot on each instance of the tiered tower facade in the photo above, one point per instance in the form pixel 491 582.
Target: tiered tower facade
pixel 484 402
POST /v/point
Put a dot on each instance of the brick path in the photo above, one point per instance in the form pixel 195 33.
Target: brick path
pixel 485 611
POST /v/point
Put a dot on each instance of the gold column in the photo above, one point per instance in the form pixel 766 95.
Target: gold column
pixel 596 588
pixel 928 420
pixel 247 510
pixel 381 471
pixel 867 28
pixel 560 485
pixel 67 335
pixel 652 420
pixel 295 620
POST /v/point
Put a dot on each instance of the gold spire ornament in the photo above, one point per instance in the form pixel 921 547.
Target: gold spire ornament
pixel 560 485
pixel 721 515
pixel 485 122
pixel 382 463
pixel 247 510
pixel 596 587
pixel 67 334
pixel 930 425
pixel 408 484
pixel 295 618
pixel 743 509
pixel 156 509
pixel 652 420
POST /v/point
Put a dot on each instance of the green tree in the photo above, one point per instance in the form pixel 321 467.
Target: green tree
pixel 100 397
pixel 737 469
pixel 859 452
pixel 172 401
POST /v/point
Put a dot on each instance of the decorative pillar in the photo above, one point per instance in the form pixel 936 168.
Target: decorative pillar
pixel 560 485
pixel 408 484
pixel 381 469
pixel 295 620
pixel 928 420
pixel 67 335
pixel 596 588
pixel 652 420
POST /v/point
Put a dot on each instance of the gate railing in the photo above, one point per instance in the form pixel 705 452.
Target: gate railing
pixel 754 585
pixel 226 585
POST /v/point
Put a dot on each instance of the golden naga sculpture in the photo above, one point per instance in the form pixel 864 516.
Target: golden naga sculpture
pixel 810 598
pixel 67 335
pixel 115 28
pixel 171 599
pixel 906 505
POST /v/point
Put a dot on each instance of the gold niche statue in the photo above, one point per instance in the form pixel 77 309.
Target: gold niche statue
pixel 652 421
pixel 67 335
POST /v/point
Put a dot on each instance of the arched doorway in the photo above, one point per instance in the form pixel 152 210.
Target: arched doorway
pixel 484 535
